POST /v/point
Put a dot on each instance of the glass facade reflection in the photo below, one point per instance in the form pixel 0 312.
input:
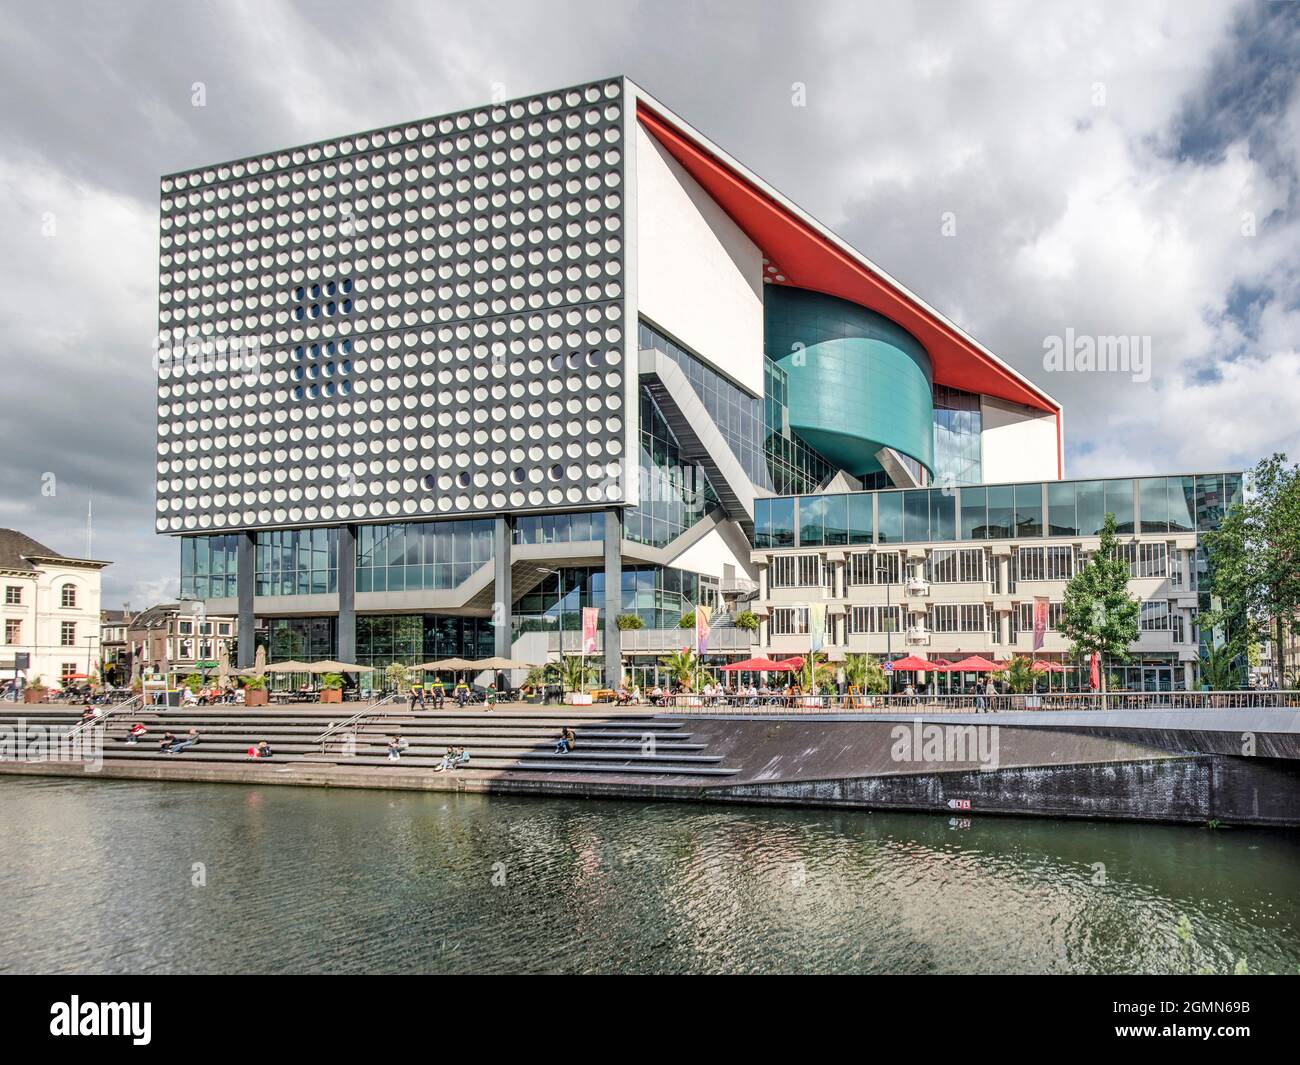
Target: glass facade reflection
pixel 209 566
pixel 674 493
pixel 297 562
pixel 658 595
pixel 421 556
pixel 411 638
pixel 1193 503
pixel 957 427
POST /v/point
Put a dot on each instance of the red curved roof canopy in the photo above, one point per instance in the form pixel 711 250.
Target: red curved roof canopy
pixel 808 259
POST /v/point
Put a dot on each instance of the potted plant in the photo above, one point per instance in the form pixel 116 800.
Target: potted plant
pixel 747 620
pixel 35 691
pixel 331 688
pixel 255 691
pixel 575 675
pixel 629 622
pixel 686 621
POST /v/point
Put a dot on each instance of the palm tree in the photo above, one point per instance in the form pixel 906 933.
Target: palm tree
pixel 576 674
pixel 817 672
pixel 864 673
pixel 682 666
pixel 1219 669
pixel 1019 675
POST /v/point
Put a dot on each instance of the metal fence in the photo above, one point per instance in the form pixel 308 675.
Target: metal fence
pixel 731 703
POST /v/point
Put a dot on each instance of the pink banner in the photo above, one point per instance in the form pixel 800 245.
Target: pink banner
pixel 1040 621
pixel 701 629
pixel 590 623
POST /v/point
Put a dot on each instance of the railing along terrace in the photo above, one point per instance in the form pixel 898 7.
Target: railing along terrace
pixel 776 703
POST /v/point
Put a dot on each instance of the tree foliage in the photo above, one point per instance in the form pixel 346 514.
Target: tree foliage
pixel 682 666
pixel 1253 562
pixel 1099 616
pixel 865 673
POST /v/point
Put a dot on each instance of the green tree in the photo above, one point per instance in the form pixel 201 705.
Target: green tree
pixel 686 621
pixel 627 622
pixel 864 673
pixel 1253 563
pixel 1019 675
pixel 682 666
pixel 747 620
pixel 1099 616
pixel 398 676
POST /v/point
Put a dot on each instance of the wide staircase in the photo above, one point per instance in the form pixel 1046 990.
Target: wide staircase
pixel 617 744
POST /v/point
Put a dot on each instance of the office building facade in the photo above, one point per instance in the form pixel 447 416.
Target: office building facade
pixel 432 389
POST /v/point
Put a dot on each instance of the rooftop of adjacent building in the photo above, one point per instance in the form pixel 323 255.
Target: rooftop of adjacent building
pixel 18 551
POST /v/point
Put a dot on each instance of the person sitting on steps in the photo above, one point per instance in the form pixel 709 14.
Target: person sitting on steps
pixel 191 738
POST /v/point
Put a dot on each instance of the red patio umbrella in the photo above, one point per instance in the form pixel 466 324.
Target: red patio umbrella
pixel 912 664
pixel 1049 667
pixel 976 664
pixel 761 665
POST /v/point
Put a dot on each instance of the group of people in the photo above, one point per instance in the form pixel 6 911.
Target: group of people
pixel 213 695
pixel 453 759
pixel 169 744
pixel 422 694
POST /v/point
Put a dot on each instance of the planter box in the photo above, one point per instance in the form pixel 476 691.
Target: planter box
pixel 34 695
pixel 254 696
pixel 578 699
pixel 331 695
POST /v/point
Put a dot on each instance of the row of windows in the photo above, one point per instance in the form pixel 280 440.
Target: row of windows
pixel 67 595
pixel 559 528
pixel 1045 563
pixel 960 617
pixel 873 619
pixel 799 571
pixel 997 512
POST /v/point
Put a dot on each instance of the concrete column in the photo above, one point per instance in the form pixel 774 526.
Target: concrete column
pixel 613 595
pixel 762 583
pixel 347 583
pixel 1189 678
pixel 502 593
pixel 1004 574
pixel 1004 627
pixel 762 634
pixel 246 626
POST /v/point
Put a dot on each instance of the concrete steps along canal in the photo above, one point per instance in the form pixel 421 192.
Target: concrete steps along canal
pixel 615 744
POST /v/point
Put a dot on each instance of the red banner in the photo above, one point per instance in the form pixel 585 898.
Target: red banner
pixel 590 623
pixel 1094 672
pixel 1040 621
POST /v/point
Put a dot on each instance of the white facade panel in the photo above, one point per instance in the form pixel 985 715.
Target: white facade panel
pixel 1017 443
pixel 699 278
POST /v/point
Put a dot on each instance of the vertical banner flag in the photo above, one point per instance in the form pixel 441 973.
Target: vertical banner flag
pixel 1094 672
pixel 816 626
pixel 590 620
pixel 1040 621
pixel 702 629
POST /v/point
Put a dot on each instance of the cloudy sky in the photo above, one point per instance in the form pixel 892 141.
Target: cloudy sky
pixel 1028 168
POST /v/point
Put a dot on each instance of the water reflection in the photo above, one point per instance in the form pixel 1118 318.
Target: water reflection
pixel 298 879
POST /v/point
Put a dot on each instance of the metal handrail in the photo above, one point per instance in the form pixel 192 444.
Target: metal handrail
pixel 1045 702
pixel 354 720
pixel 81 727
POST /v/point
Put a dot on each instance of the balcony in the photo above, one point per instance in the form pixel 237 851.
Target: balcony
pixel 917 586
pixel 918 635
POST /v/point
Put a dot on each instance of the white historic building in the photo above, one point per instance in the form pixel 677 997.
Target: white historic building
pixel 49 610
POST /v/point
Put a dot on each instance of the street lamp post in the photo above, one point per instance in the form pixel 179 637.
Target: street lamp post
pixel 889 620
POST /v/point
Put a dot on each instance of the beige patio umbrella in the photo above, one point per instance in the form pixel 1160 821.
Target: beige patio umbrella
pixel 289 667
pixel 330 666
pixel 450 664
pixel 502 663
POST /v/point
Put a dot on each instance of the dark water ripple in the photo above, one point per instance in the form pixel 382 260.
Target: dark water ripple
pixel 97 877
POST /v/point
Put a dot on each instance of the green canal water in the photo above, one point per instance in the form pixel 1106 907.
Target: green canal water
pixel 115 877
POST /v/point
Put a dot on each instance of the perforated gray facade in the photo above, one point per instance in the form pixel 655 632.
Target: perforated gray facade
pixel 428 319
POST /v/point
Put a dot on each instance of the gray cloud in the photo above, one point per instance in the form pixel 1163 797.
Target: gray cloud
pixel 1123 216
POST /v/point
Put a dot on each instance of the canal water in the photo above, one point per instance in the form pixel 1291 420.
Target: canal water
pixel 118 876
